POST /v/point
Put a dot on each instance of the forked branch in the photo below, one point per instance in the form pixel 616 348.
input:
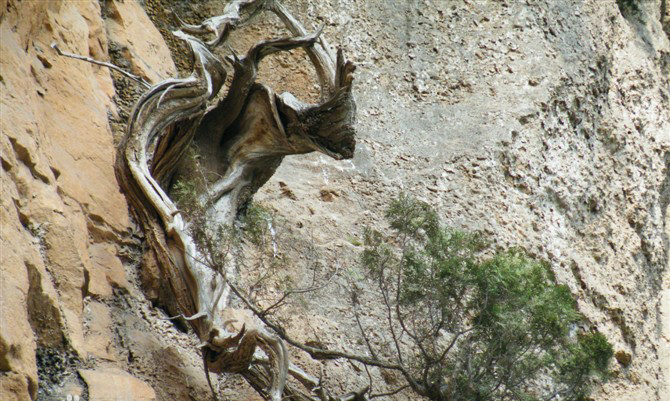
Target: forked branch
pixel 242 140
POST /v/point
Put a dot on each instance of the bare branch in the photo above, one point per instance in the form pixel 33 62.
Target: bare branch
pixel 222 25
pixel 300 291
pixel 364 333
pixel 111 66
pixel 320 57
pixel 390 393
pixel 317 353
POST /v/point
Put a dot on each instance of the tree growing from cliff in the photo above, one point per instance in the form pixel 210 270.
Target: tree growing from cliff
pixel 458 326
pixel 464 328
pixel 241 140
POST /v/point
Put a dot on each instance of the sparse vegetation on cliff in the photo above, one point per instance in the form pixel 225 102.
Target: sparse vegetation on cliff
pixel 540 124
pixel 467 327
pixel 456 323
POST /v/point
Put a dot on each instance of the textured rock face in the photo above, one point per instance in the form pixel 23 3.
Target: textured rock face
pixel 59 196
pixel 113 384
pixel 545 126
pixel 63 218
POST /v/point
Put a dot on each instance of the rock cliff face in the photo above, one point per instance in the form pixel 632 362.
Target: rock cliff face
pixel 544 125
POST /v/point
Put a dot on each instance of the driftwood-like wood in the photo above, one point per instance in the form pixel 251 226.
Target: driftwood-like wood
pixel 243 139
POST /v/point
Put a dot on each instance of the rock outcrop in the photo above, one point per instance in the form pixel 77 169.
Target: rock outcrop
pixel 65 223
pixel 60 203
pixel 543 125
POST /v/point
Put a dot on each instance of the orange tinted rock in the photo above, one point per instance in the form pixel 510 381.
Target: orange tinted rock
pixel 130 27
pixel 115 384
pixel 107 270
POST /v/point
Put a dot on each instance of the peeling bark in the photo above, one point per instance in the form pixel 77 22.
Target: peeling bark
pixel 243 139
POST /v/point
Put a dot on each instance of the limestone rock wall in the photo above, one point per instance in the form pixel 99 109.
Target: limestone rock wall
pixel 543 124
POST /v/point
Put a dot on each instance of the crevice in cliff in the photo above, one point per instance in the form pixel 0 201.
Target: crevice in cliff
pixel 56 371
pixel 126 91
pixel 139 265
pixel 44 315
pixel 56 361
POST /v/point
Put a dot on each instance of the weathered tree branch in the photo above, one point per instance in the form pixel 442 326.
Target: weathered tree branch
pixel 135 78
pixel 221 25
pixel 316 353
pixel 321 58
pixel 242 140
pixel 245 70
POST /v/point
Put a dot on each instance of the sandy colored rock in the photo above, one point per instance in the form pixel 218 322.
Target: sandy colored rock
pixel 140 42
pixel 107 270
pixel 99 334
pixel 44 309
pixel 17 343
pixel 13 387
pixel 115 384
pixel 57 178
pixel 69 263
pixel 50 104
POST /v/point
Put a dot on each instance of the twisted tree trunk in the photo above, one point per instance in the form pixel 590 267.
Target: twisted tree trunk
pixel 243 139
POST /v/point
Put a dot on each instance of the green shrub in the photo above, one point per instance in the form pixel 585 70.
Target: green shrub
pixel 474 328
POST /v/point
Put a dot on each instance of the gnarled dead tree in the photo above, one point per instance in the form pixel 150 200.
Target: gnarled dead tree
pixel 243 139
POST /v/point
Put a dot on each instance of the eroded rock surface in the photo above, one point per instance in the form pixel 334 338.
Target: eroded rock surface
pixel 59 196
pixel 114 384
pixel 545 126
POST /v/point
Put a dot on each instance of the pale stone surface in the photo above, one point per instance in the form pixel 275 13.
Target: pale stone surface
pixel 664 349
pixel 544 127
pixel 115 384
pixel 99 333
